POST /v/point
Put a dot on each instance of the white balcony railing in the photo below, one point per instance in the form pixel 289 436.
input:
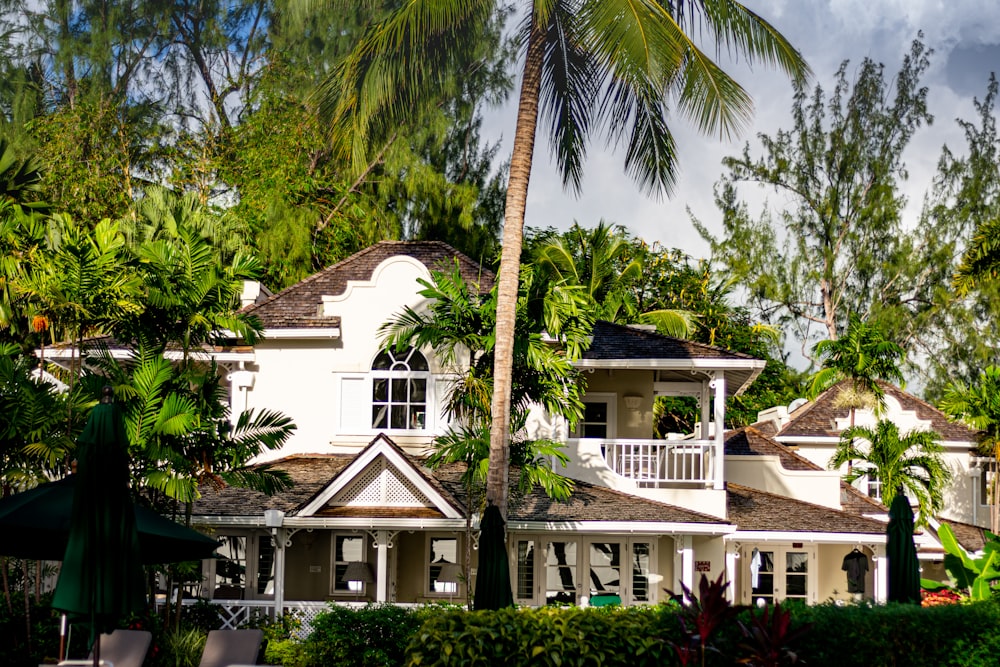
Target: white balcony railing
pixel 661 463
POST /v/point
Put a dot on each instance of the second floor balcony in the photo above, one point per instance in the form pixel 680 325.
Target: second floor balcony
pixel 651 463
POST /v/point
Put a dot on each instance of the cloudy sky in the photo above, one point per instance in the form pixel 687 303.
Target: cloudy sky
pixel 965 36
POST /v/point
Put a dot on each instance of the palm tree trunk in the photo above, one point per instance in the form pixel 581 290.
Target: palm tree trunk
pixel 510 266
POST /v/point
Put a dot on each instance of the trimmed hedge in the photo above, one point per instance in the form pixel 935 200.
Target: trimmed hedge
pixel 879 636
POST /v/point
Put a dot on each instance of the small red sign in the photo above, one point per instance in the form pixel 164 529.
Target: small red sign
pixel 703 566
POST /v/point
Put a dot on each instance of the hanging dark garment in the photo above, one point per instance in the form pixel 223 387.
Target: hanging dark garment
pixel 856 566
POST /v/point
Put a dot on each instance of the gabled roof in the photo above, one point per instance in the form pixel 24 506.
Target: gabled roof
pixel 819 418
pixel 620 346
pixel 972 538
pixel 298 306
pixel 754 510
pixel 381 481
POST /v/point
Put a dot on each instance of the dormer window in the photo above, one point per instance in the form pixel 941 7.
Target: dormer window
pixel 399 390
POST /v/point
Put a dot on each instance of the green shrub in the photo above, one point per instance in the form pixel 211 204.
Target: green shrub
pixel 606 636
pixel 286 652
pixel 372 636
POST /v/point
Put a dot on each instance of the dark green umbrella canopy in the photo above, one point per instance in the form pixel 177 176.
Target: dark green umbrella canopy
pixel 901 553
pixel 101 580
pixel 35 525
pixel 493 574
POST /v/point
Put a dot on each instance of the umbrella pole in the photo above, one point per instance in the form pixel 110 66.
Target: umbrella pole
pixel 97 650
pixel 62 638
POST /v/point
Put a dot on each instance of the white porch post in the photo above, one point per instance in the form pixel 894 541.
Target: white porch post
pixel 382 576
pixel 881 574
pixel 687 561
pixel 278 539
pixel 706 409
pixel 732 555
pixel 719 384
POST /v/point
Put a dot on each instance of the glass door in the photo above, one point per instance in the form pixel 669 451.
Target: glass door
pixel 773 574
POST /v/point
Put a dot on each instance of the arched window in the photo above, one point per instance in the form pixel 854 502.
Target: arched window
pixel 399 390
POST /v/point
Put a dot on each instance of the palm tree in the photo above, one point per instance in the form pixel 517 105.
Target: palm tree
pixel 862 356
pixel 608 267
pixel 978 406
pixel 587 65
pixel 910 462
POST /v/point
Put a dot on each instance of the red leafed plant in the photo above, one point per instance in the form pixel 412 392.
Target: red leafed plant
pixel 702 616
pixel 767 638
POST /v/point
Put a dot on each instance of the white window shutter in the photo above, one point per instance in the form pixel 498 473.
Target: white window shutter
pixel 355 405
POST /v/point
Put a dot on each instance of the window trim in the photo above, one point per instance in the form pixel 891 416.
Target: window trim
pixel 347 593
pixel 610 399
pixel 459 557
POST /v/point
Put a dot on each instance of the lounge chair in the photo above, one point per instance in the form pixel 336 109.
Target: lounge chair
pixel 121 648
pixel 231 647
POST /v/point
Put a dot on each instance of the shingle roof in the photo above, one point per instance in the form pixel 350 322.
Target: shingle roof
pixel 748 441
pixel 311 474
pixel 818 418
pixel 587 503
pixel 972 538
pixel 751 509
pixel 298 306
pixel 616 341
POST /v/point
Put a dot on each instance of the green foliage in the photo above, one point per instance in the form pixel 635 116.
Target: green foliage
pixel 973 576
pixel 912 461
pixel 182 647
pixel 862 356
pixel 372 636
pixel 898 634
pixel 552 636
pixel 837 174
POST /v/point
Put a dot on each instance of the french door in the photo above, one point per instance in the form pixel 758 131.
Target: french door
pixel 776 573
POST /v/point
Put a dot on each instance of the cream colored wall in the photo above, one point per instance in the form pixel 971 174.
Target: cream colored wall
pixel 636 424
pixel 410 566
pixel 713 550
pixel 303 378
pixel 821 487
pixel 309 551
pixel 831 582
pixel 666 547
pixel 958 497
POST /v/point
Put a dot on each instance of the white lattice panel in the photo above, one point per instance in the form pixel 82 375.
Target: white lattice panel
pixel 380 485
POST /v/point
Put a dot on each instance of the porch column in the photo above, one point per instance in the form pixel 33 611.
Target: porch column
pixel 382 576
pixel 278 538
pixel 686 557
pixel 705 403
pixel 732 554
pixel 719 384
pixel 881 573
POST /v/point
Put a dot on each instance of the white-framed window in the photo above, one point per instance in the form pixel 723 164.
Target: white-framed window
pixel 525 550
pixel 347 548
pixel 988 470
pixel 244 568
pixel 397 395
pixel 442 558
pixel 874 485
pixel 600 416
pixel 400 391
pixel 605 570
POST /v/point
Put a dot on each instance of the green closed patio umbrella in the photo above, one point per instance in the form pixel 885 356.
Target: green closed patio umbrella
pixel 493 574
pixel 901 552
pixel 101 579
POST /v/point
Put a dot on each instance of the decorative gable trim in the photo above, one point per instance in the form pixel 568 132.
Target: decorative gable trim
pixel 380 471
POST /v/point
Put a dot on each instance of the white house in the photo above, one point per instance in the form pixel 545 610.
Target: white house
pixel 366 520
